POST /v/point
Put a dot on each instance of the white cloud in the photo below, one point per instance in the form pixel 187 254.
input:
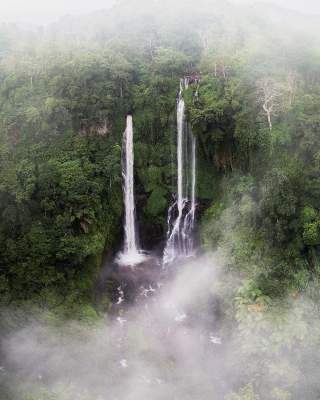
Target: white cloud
pixel 44 11
pixel 305 6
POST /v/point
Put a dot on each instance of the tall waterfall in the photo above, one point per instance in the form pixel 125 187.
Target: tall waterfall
pixel 131 254
pixel 181 215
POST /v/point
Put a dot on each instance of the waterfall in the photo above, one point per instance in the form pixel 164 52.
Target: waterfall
pixel 181 214
pixel 128 191
pixel 131 254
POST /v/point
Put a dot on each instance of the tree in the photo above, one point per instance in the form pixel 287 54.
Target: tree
pixel 269 97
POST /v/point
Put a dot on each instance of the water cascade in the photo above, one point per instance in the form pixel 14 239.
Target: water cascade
pixel 131 254
pixel 181 215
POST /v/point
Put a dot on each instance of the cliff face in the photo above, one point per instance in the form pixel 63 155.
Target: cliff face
pixel 252 105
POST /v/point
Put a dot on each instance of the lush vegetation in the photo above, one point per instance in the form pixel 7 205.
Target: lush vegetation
pixel 64 94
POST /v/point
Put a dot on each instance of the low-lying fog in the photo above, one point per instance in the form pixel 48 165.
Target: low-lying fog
pixel 176 342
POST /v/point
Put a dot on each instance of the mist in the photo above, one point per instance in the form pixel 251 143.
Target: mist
pixel 159 200
pixel 308 7
pixel 37 12
pixel 175 341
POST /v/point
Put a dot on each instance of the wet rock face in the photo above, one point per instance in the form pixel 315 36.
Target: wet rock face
pixel 152 236
pixel 124 285
pixel 128 286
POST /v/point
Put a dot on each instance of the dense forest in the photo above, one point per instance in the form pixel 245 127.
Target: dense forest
pixel 253 104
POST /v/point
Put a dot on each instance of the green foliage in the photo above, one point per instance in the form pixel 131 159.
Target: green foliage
pixel 169 62
pixel 62 114
pixel 63 102
pixel 57 182
pixel 311 226
pixel 157 203
pixel 245 393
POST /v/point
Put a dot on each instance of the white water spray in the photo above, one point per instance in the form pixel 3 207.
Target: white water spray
pixel 180 241
pixel 131 254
